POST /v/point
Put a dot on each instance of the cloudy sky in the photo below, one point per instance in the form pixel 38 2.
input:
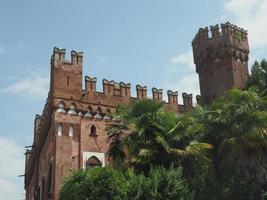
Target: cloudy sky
pixel 143 42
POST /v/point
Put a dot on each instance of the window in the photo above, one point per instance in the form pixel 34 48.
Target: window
pixel 68 80
pixel 93 130
pixel 93 162
pixel 71 131
pixel 50 180
pixel 59 130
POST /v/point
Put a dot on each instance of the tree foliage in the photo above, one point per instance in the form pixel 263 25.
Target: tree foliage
pixel 145 135
pixel 258 77
pixel 109 184
pixel 217 152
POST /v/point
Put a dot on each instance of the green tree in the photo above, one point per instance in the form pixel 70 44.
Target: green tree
pixel 145 135
pixel 236 127
pixel 97 183
pixel 108 184
pixel 258 77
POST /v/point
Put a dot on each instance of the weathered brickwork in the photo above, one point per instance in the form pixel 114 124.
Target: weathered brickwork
pixel 221 59
pixel 70 133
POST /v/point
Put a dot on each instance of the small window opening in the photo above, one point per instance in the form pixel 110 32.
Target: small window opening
pixel 71 131
pixel 68 80
pixel 93 130
pixel 59 130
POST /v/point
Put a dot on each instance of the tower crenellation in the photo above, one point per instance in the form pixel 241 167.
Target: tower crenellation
pixel 157 94
pixel 221 58
pixel 76 57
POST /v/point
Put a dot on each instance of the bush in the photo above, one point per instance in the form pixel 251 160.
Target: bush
pixel 111 184
pixel 96 183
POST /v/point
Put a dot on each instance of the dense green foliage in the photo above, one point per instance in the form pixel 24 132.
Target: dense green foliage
pixel 111 184
pixel 258 77
pixel 97 183
pixel 146 135
pixel 214 153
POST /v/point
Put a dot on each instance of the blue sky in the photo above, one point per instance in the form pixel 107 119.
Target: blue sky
pixel 145 42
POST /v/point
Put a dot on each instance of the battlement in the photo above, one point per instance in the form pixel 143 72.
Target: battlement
pixel 59 56
pixel 121 89
pixel 67 82
pixel 224 31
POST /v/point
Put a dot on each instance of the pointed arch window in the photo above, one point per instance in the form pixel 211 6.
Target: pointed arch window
pixel 93 162
pixel 93 130
pixel 71 131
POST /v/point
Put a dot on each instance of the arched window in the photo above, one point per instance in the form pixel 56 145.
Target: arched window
pixel 50 180
pixel 93 130
pixel 93 162
pixel 59 130
pixel 71 131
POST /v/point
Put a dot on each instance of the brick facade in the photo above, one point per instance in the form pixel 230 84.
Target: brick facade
pixel 70 133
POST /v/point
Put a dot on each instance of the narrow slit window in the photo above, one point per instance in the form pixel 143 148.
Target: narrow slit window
pixel 71 131
pixel 59 130
pixel 68 80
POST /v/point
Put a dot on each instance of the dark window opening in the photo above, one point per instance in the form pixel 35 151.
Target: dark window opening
pixel 93 130
pixel 93 162
pixel 68 80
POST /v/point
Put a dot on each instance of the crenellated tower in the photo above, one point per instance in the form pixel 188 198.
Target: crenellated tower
pixel 221 59
pixel 66 76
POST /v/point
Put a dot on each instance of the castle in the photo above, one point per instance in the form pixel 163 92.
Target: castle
pixel 70 133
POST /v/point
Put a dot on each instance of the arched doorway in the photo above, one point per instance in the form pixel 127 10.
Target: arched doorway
pixel 93 162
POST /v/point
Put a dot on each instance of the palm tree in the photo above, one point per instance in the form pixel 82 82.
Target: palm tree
pixel 143 135
pixel 237 129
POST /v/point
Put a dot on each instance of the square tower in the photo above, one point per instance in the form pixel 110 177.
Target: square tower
pixel 221 60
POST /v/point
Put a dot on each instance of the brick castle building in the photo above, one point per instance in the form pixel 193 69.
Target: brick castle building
pixel 70 133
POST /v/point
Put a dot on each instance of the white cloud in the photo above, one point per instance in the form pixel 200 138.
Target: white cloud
pixel 33 87
pixel 252 15
pixel 188 83
pixel 11 165
pixel 185 59
pixel 182 66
